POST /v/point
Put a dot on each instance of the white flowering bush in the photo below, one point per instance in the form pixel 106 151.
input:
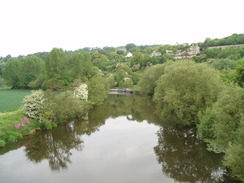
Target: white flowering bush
pixel 81 92
pixel 33 104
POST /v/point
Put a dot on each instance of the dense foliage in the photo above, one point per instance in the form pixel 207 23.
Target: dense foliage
pixel 33 104
pixel 230 40
pixel 222 125
pixel 185 89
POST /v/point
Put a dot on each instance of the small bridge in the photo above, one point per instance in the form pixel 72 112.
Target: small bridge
pixel 121 91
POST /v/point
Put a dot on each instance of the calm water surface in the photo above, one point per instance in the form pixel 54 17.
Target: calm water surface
pixel 122 142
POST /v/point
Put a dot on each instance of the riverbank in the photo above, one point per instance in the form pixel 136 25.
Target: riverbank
pixel 14 125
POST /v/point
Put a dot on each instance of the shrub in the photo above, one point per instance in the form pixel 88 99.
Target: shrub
pixel 59 108
pixel 81 92
pixel 33 104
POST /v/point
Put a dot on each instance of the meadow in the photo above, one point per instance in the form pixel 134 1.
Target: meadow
pixel 11 100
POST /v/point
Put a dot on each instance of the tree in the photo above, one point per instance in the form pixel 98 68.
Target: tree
pixel 56 63
pixel 240 72
pixel 225 63
pixel 185 89
pixel 120 52
pixel 97 91
pixel 130 46
pixel 80 66
pixel 31 68
pixel 11 73
pixel 150 76
pixel 222 126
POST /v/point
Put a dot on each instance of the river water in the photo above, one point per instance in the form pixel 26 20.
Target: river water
pixel 122 142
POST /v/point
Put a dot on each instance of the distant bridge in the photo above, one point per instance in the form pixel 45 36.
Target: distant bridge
pixel 121 91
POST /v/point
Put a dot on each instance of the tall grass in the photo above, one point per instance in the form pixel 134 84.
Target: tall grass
pixel 11 100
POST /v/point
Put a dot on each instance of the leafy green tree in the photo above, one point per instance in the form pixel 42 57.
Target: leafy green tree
pixel 31 68
pixel 101 61
pixel 225 63
pixel 212 53
pixel 130 46
pixel 240 72
pixel 229 40
pixel 97 91
pixel 127 82
pixel 80 66
pixel 57 70
pixel 220 122
pixel 120 52
pixel 185 89
pixel 11 73
pixel 56 63
pixel 150 76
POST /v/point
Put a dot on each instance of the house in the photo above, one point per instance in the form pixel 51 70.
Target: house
pixel 188 52
pixel 129 54
pixel 156 54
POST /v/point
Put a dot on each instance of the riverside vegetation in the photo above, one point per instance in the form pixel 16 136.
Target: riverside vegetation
pixel 205 91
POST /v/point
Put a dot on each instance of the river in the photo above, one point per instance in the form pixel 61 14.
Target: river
pixel 123 141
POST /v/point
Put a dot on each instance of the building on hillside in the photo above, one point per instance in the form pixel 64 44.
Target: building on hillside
pixel 189 52
pixel 156 54
pixel 129 54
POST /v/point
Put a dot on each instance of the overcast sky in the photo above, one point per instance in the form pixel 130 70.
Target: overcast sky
pixel 29 26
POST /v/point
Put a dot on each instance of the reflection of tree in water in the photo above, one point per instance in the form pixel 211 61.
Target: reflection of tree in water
pixel 182 155
pixel 185 158
pixel 55 146
pixel 139 107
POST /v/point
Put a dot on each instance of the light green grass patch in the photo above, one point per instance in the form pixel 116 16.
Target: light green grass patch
pixel 11 100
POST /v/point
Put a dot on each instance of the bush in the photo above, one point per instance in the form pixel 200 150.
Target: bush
pixel 59 108
pixel 185 89
pixel 33 104
pixel 81 92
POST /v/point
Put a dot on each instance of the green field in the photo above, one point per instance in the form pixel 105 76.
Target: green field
pixel 11 99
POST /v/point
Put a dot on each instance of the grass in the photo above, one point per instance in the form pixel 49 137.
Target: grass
pixel 11 100
pixel 8 133
pixel 11 114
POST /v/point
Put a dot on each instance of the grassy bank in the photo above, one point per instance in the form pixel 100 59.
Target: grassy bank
pixel 14 125
pixel 11 100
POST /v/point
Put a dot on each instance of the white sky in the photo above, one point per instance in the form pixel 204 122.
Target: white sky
pixel 29 26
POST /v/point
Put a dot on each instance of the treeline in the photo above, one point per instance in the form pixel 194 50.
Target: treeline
pixel 57 71
pixel 229 40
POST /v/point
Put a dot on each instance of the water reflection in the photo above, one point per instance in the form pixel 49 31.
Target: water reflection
pixel 185 158
pixel 55 146
pixel 180 154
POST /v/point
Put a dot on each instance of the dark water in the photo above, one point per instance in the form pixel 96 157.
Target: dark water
pixel 122 142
